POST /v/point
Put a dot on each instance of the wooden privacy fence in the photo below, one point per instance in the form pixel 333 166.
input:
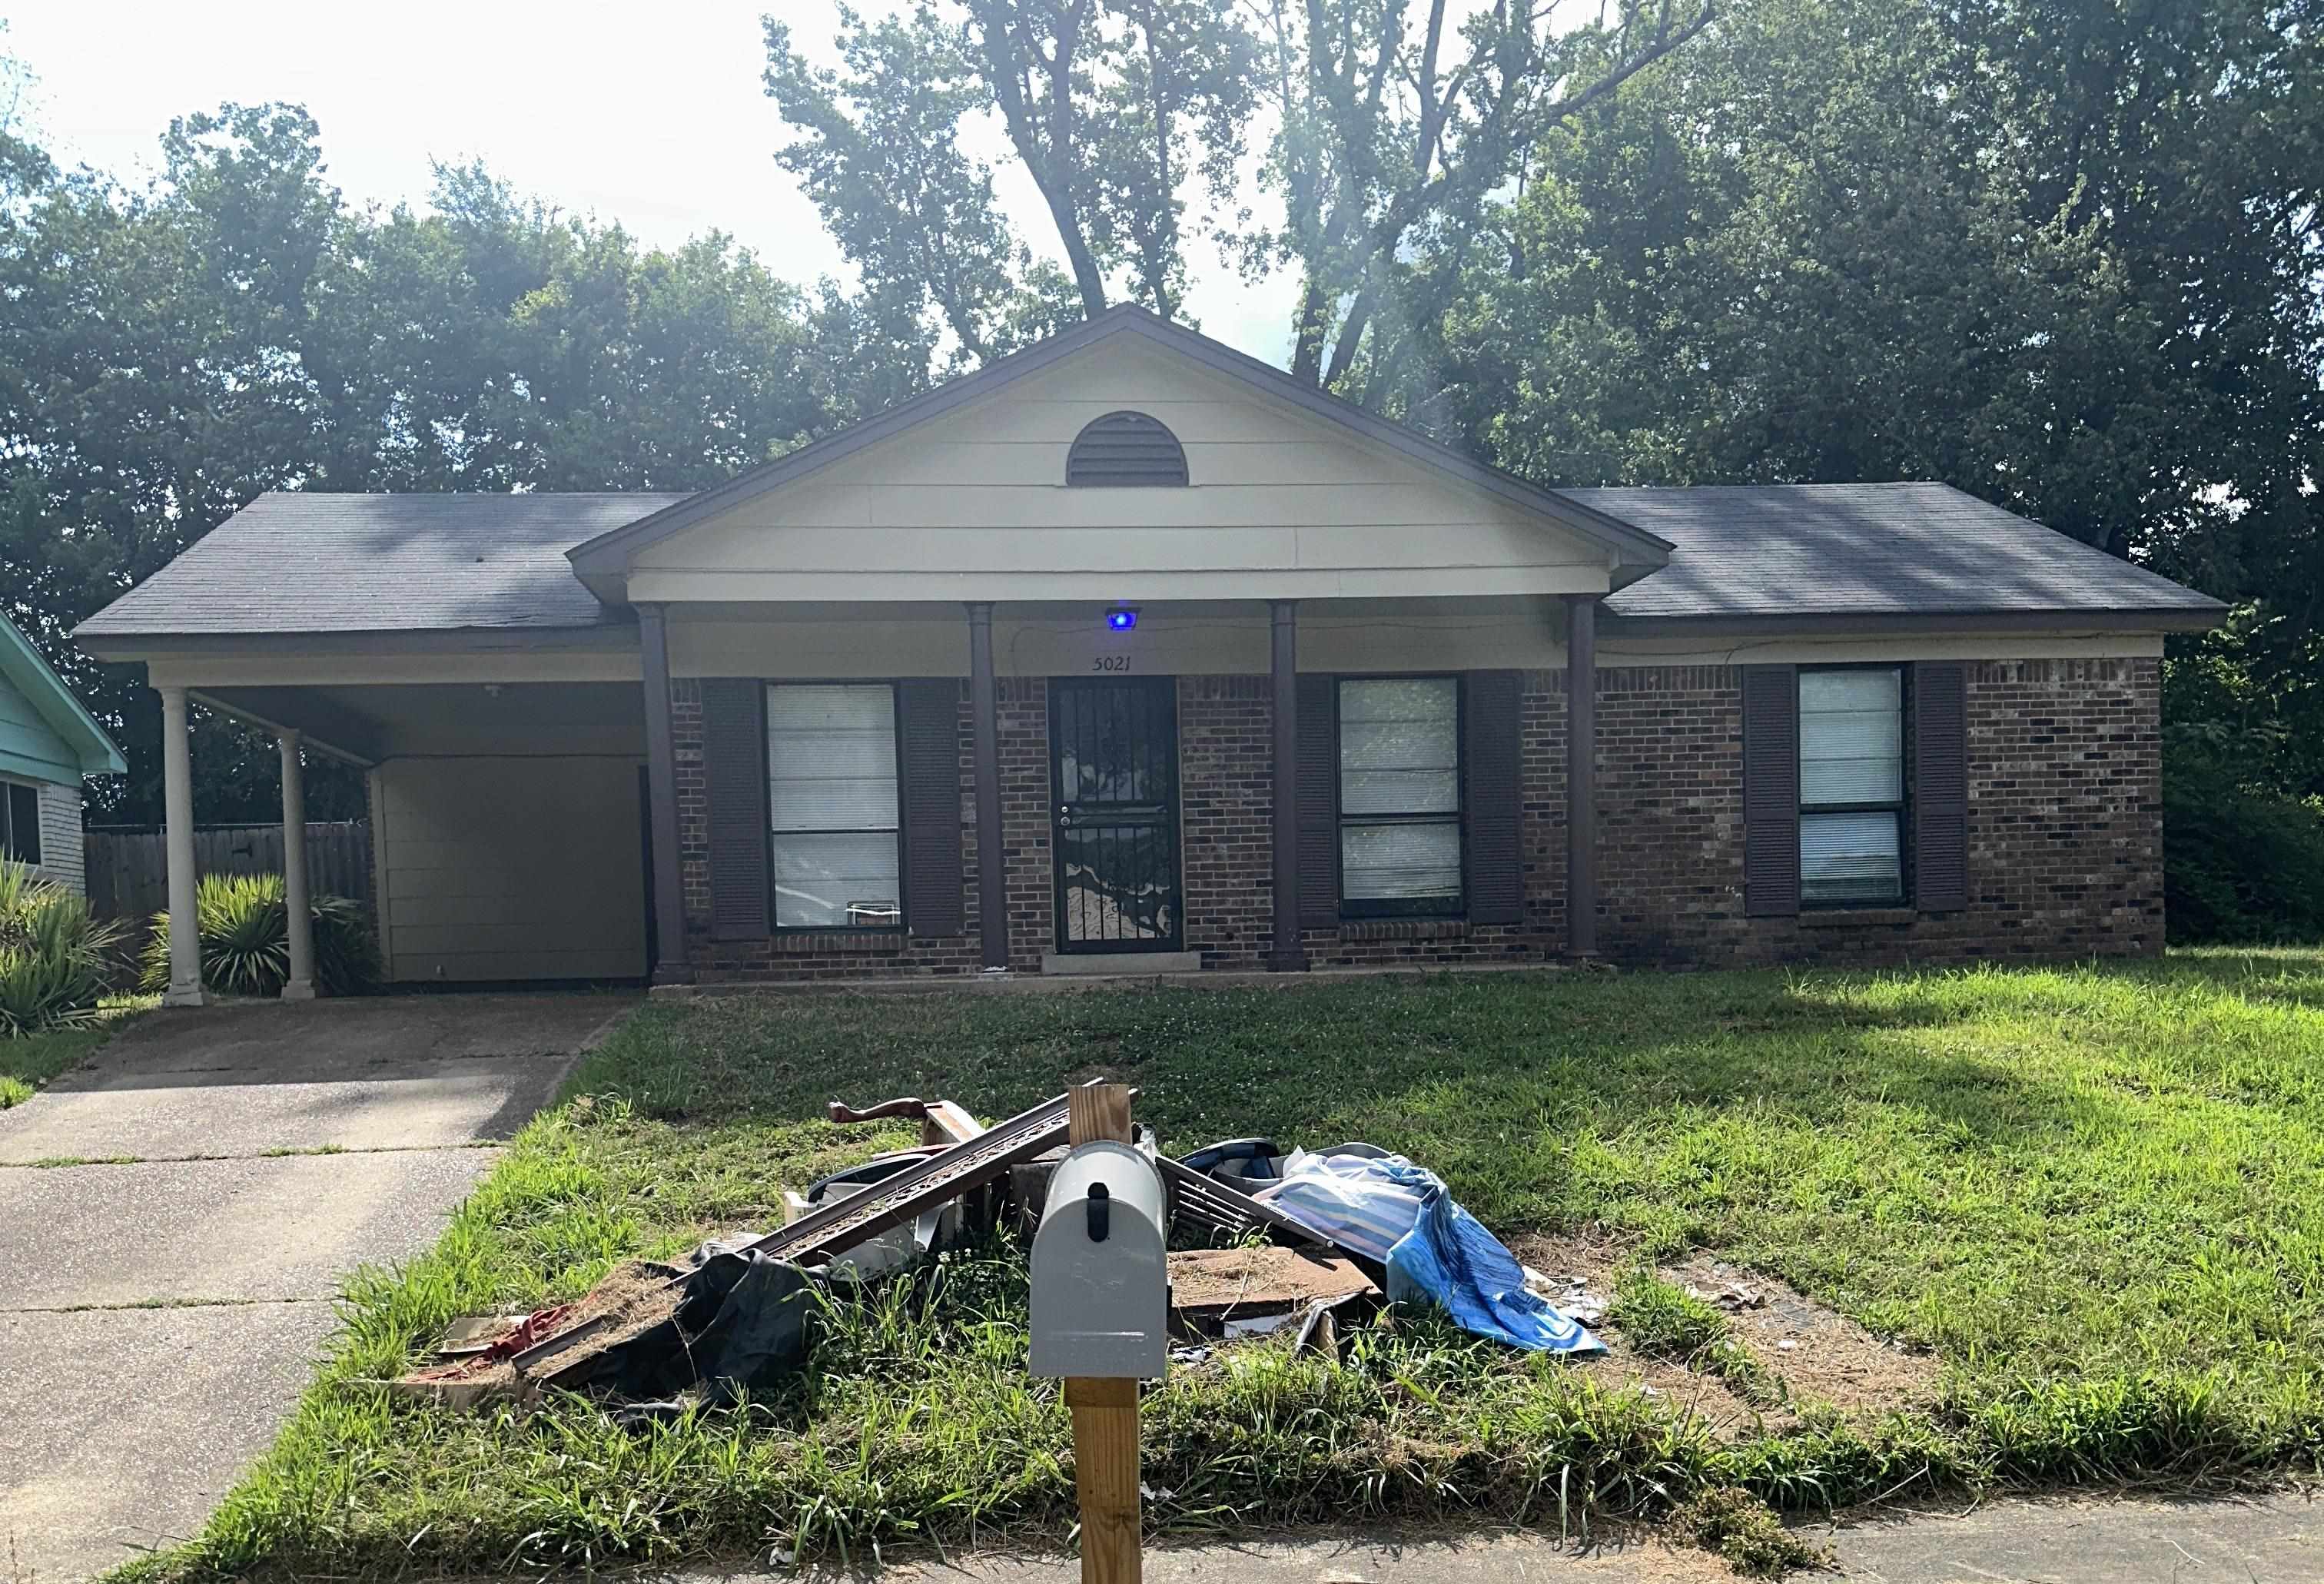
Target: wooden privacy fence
pixel 128 866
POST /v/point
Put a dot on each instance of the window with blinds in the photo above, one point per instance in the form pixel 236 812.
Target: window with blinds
pixel 1852 785
pixel 832 807
pixel 1400 797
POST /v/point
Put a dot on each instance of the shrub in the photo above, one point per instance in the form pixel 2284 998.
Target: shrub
pixel 2239 865
pixel 52 954
pixel 246 940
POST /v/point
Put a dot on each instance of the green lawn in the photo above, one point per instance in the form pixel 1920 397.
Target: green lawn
pixel 2099 1194
pixel 27 1063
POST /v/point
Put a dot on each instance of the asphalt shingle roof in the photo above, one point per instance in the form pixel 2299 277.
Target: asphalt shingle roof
pixel 326 564
pixel 303 562
pixel 1920 549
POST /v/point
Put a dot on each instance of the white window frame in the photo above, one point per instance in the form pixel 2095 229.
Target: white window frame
pixel 1361 909
pixel 775 832
pixel 1900 806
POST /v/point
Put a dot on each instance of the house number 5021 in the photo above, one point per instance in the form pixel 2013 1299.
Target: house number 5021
pixel 1110 663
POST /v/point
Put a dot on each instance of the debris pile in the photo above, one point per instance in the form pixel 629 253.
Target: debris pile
pixel 1263 1240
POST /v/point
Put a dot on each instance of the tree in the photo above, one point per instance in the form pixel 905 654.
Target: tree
pixel 1116 108
pixel 1111 103
pixel 880 154
pixel 1398 135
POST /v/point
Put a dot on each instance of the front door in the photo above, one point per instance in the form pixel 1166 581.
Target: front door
pixel 1114 761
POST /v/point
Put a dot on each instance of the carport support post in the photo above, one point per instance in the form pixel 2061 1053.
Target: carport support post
pixel 1581 775
pixel 1286 955
pixel 297 907
pixel 991 869
pixel 178 811
pixel 661 791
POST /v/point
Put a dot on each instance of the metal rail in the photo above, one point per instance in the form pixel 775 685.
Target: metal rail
pixel 938 1180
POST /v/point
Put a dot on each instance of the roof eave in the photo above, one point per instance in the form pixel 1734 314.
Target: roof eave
pixel 122 647
pixel 93 747
pixel 2137 619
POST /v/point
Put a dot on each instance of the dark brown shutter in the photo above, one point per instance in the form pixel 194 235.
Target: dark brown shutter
pixel 1492 796
pixel 1319 802
pixel 928 721
pixel 1940 786
pixel 1771 791
pixel 735 784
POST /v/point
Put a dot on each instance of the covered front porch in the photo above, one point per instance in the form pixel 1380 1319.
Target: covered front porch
pixel 1067 786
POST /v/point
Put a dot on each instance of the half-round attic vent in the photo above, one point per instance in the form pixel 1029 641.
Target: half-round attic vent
pixel 1126 448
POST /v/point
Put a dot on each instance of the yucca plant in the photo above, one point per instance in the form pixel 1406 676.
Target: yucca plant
pixel 247 940
pixel 52 954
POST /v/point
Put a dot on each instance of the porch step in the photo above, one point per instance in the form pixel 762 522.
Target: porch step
pixel 1117 963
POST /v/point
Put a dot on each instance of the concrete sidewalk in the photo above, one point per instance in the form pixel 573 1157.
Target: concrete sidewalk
pixel 2272 1539
pixel 159 1319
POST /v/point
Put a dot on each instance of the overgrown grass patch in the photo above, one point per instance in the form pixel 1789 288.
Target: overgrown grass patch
pixel 2094 1190
pixel 28 1063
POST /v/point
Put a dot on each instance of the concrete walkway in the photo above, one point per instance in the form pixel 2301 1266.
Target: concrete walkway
pixel 2272 1539
pixel 158 1318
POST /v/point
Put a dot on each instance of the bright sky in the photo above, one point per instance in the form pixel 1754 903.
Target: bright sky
pixel 652 115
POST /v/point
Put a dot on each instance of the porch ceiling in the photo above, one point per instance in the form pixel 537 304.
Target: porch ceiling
pixel 369 723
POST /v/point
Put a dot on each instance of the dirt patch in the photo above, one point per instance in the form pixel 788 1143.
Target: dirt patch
pixel 1830 1359
pixel 1581 1267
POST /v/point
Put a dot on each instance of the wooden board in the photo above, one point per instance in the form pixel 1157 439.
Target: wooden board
pixel 1209 1287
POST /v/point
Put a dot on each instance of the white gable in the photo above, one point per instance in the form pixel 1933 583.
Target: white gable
pixel 971 503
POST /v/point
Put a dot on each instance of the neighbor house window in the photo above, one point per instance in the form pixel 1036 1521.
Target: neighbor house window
pixel 1400 796
pixel 20 821
pixel 831 802
pixel 1852 785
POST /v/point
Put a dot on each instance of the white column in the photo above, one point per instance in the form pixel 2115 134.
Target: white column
pixel 298 908
pixel 178 808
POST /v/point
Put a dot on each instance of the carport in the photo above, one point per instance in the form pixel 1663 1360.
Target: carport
pixel 498 720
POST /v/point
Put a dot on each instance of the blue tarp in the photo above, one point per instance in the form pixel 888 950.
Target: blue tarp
pixel 1403 1216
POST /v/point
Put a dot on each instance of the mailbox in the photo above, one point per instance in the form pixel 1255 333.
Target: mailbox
pixel 1101 1284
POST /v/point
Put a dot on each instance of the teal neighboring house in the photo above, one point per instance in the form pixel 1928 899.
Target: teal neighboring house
pixel 48 743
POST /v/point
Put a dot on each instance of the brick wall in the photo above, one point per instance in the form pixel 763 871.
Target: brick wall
pixel 2065 824
pixel 1022 712
pixel 2065 833
pixel 809 954
pixel 1386 942
pixel 1226 801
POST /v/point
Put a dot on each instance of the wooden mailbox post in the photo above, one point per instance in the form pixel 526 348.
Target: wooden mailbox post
pixel 1104 1408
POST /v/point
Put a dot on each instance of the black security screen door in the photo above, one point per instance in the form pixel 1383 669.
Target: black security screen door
pixel 1113 759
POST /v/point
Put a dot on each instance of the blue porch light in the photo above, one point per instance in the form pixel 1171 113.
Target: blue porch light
pixel 1121 618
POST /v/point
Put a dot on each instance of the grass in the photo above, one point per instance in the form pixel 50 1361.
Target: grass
pixel 1663 1320
pixel 2097 1193
pixel 27 1063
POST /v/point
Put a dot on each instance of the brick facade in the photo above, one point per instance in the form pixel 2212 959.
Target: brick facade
pixel 2064 832
pixel 2065 823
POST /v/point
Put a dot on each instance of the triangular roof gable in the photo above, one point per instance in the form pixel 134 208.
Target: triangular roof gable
pixel 606 558
pixel 24 668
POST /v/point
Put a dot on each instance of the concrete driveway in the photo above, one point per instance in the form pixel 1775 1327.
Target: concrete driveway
pixel 167 1270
